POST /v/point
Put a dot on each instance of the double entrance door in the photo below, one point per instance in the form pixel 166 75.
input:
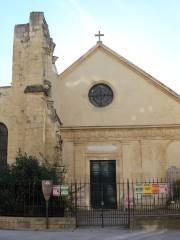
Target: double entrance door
pixel 103 184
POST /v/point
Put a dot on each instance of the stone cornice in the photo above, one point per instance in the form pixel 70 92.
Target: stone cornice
pixel 5 87
pixel 118 133
pixel 74 128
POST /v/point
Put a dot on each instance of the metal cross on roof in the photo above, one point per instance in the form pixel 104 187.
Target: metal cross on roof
pixel 99 35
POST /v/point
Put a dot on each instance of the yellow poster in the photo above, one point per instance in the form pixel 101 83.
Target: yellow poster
pixel 147 188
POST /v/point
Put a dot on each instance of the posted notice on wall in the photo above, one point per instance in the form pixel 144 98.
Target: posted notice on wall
pixel 56 190
pixel 151 188
pixel 60 190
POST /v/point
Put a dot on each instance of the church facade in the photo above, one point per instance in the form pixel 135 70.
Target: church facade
pixel 101 116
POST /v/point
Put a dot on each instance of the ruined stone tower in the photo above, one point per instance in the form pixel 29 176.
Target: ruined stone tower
pixel 33 123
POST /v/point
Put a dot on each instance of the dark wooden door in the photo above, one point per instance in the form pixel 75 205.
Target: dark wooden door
pixel 103 183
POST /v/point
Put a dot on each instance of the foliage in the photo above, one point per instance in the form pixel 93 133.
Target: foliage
pixel 5 175
pixel 28 170
pixel 20 186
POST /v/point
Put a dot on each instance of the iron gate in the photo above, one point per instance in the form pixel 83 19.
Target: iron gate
pixel 90 213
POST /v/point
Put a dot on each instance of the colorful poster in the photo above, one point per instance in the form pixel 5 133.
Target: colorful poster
pixel 155 188
pixel 139 188
pixel 151 188
pixel 147 188
pixel 56 190
pixel 163 188
pixel 64 190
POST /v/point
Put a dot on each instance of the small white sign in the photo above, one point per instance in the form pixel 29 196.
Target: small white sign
pixel 64 190
pixel 56 190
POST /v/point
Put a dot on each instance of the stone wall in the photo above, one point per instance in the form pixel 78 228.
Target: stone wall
pixel 35 223
pixel 154 223
pixel 140 153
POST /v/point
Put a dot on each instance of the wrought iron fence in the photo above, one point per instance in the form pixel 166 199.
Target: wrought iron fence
pixel 28 201
pixel 116 203
pixel 158 198
pixel 93 203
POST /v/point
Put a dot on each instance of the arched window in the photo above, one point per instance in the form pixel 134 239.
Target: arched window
pixel 3 144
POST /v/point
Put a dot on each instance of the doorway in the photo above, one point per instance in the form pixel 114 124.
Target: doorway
pixel 103 184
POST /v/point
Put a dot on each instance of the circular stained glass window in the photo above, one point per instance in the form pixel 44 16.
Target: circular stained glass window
pixel 100 95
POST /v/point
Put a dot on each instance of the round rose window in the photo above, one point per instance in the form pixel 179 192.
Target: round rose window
pixel 100 95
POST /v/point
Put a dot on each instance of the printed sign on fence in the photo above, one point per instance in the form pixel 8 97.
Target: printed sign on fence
pixel 151 188
pixel 147 188
pixel 64 190
pixel 155 188
pixel 163 188
pixel 139 188
pixel 56 190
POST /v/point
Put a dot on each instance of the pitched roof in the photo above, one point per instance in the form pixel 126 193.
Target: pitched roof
pixel 123 60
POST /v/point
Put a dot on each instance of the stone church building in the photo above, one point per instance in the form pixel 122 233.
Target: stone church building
pixel 102 114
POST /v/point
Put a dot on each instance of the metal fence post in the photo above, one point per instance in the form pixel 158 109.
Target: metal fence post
pixel 76 204
pixel 47 219
pixel 129 213
pixel 133 207
pixel 102 206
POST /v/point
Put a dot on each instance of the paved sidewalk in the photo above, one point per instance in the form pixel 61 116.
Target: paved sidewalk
pixel 91 234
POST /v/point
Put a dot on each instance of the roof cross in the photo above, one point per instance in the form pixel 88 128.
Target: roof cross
pixel 99 35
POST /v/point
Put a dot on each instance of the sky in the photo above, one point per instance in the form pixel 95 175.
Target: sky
pixel 146 32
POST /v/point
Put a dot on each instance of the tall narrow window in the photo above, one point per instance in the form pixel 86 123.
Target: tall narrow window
pixel 3 144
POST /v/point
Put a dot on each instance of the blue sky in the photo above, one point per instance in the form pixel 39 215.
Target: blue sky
pixel 146 32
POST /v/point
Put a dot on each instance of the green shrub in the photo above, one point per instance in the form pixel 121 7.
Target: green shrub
pixel 20 186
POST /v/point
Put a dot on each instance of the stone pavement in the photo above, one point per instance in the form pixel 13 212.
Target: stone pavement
pixel 91 234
